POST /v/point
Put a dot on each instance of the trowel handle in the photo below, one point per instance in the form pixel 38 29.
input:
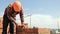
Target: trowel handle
pixel 16 23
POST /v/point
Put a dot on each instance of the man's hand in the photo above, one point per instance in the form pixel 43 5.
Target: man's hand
pixel 14 21
pixel 22 26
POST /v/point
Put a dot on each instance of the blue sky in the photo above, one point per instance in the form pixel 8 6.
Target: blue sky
pixel 41 7
pixel 51 7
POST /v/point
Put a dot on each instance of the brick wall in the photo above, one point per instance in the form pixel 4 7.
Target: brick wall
pixel 44 31
pixel 26 30
pixel 1 24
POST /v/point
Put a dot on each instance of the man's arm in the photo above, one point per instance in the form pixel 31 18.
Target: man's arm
pixel 9 15
pixel 21 17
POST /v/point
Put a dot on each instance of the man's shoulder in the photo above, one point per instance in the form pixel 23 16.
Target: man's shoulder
pixel 8 8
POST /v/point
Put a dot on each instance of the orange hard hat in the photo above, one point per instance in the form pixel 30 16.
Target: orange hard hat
pixel 17 6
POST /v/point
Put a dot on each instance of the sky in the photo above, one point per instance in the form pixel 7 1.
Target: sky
pixel 44 13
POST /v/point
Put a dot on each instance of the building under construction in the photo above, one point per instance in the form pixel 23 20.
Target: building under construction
pixel 26 29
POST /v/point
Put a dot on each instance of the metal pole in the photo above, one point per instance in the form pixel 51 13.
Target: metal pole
pixel 30 20
pixel 58 25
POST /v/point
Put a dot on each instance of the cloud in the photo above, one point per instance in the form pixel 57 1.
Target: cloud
pixel 44 21
pixel 1 14
pixel 26 9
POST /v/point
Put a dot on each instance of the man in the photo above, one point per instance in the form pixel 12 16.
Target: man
pixel 9 16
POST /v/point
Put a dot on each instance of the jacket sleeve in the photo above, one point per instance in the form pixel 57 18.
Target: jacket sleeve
pixel 9 14
pixel 21 17
pixel 7 10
